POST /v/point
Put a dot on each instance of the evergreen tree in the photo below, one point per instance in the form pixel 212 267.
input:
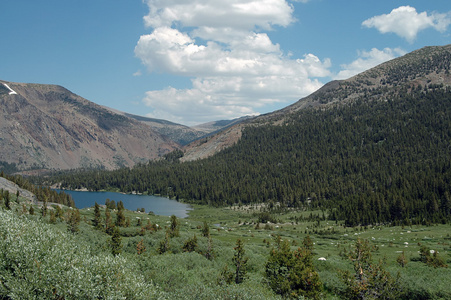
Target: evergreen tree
pixel 291 273
pixel 225 277
pixel 173 229
pixel 120 217
pixel 31 210
pixel 240 262
pixel 369 280
pixel 97 221
pixel 205 230
pixel 108 223
pixel 190 245
pixel 431 257
pixel 52 217
pixel 7 200
pixel 209 254
pixel 44 208
pixel 401 260
pixel 164 244
pixel 73 221
pixel 116 242
pixel 59 212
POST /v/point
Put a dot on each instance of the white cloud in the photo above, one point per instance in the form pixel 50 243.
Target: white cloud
pixel 406 22
pixel 238 14
pixel 368 60
pixel 234 66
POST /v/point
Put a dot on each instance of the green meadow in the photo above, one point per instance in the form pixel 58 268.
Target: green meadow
pixel 181 274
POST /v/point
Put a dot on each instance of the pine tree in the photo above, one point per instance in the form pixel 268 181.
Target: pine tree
pixel 120 217
pixel 116 242
pixel 205 230
pixel 209 254
pixel 173 230
pixel 7 200
pixel 52 217
pixel 190 245
pixel 97 221
pixel 240 262
pixel 369 280
pixel 44 208
pixel 291 273
pixel 108 224
pixel 164 244
pixel 431 258
pixel 73 221
pixel 401 260
pixel 59 212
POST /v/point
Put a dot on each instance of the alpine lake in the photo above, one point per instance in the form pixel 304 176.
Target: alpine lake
pixel 157 205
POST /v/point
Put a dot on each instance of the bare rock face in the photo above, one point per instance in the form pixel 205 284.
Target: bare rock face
pixel 47 126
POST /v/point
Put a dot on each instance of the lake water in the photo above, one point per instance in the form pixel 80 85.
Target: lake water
pixel 158 205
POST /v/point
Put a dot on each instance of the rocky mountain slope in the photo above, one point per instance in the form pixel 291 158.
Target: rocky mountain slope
pixel 426 66
pixel 47 126
pixel 178 133
pixel 12 188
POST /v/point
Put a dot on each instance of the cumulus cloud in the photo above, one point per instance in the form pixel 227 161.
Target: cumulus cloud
pixel 406 22
pixel 222 46
pixel 367 60
pixel 238 14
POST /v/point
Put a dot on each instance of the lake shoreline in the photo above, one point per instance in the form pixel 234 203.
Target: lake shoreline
pixel 151 203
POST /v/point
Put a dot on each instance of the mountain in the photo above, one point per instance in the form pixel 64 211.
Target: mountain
pixel 373 149
pixel 183 134
pixel 216 126
pixel 178 133
pixel 426 66
pixel 47 126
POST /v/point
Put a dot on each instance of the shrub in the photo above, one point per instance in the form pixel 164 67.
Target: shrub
pixel 38 261
pixel 291 273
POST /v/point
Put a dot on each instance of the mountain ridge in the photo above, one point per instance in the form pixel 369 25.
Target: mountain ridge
pixel 410 68
pixel 47 126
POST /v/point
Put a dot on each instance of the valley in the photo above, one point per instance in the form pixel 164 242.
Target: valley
pixel 344 194
pixel 178 273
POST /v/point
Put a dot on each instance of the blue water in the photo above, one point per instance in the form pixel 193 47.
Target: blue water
pixel 158 205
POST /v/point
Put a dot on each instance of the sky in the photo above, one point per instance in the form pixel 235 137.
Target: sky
pixel 192 62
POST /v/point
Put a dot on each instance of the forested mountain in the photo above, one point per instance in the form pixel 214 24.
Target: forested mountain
pixel 371 149
pixel 47 126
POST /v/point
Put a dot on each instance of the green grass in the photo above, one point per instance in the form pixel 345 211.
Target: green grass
pixel 191 275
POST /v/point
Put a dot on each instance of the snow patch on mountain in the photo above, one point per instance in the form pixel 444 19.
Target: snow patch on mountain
pixel 12 92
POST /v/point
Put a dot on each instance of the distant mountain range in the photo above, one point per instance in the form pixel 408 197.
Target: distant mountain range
pixel 47 126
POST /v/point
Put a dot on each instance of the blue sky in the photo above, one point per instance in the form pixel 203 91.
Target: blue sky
pixel 196 61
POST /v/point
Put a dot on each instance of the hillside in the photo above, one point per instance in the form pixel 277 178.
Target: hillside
pixel 426 66
pixel 382 148
pixel 178 133
pixel 47 126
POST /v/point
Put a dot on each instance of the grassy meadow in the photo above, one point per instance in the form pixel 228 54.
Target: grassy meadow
pixel 178 274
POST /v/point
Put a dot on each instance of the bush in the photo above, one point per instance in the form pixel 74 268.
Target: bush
pixel 291 273
pixel 41 262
